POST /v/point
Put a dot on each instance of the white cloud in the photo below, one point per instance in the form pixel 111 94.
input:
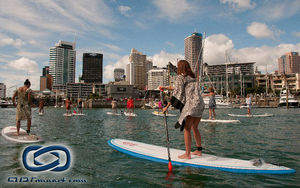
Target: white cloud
pixel 109 69
pixel 124 10
pixel 277 9
pixel 239 5
pixel 175 9
pixel 38 18
pixel 24 64
pixel 170 44
pixel 261 30
pixel 15 72
pixel 163 58
pixel 13 81
pixel 297 34
pixel 112 47
pixel 32 54
pixel 217 45
pixel 5 40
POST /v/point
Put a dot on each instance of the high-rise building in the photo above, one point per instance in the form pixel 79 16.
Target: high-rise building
pixel 289 63
pixel 119 74
pixel 136 70
pixel 92 71
pixel 2 90
pixel 157 77
pixel 192 51
pixel 62 62
pixel 45 79
pixel 172 73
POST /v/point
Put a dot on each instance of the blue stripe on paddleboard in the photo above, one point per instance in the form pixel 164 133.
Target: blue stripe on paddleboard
pixel 253 171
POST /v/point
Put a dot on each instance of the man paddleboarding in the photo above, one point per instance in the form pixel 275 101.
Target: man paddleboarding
pixel 248 103
pixel 68 106
pixel 23 110
pixel 41 106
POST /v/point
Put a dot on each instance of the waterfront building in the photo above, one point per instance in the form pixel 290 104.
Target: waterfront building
pixel 119 74
pixel 157 77
pixel 172 73
pixel 192 51
pixel 60 89
pixel 62 62
pixel 45 79
pixel 121 91
pixel 276 82
pixel 136 69
pixel 99 89
pixel 79 90
pixel 238 75
pixel 289 63
pixel 2 91
pixel 92 70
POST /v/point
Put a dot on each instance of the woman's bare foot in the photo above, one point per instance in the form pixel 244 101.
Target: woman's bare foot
pixel 184 156
pixel 16 134
pixel 199 153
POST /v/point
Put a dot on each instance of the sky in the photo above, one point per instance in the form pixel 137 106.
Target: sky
pixel 246 30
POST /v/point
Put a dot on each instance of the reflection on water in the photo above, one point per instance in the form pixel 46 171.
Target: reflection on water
pixel 275 139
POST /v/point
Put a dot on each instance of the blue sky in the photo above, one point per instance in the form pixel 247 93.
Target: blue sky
pixel 248 30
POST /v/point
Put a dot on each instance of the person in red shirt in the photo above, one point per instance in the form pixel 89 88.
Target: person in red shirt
pixel 130 105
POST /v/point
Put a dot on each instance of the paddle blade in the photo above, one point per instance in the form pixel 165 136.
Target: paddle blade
pixel 170 166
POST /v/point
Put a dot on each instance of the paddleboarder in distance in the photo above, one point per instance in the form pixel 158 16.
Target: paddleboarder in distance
pixel 79 106
pixel 24 106
pixel 41 105
pixel 248 102
pixel 68 105
pixel 187 97
pixel 130 105
pixel 211 104
pixel 114 106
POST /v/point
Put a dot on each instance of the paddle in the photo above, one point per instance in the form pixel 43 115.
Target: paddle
pixel 167 133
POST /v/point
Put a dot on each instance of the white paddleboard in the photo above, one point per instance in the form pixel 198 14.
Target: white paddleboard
pixel 113 114
pixel 130 114
pixel 41 114
pixel 220 121
pixel 10 131
pixel 78 114
pixel 67 115
pixel 162 114
pixel 253 115
pixel 160 154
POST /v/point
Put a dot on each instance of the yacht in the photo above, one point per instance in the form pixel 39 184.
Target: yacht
pixel 292 101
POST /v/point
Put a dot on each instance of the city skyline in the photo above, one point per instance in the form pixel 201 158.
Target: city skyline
pixel 250 31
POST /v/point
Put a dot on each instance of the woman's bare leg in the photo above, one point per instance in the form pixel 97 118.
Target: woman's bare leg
pixel 18 125
pixel 209 115
pixel 197 135
pixel 187 138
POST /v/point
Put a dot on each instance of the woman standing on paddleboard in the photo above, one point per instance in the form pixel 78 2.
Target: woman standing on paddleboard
pixel 24 105
pixel 187 97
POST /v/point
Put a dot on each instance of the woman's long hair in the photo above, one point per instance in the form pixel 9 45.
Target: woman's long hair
pixel 183 67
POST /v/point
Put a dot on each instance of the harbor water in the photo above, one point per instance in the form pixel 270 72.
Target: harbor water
pixel 95 164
